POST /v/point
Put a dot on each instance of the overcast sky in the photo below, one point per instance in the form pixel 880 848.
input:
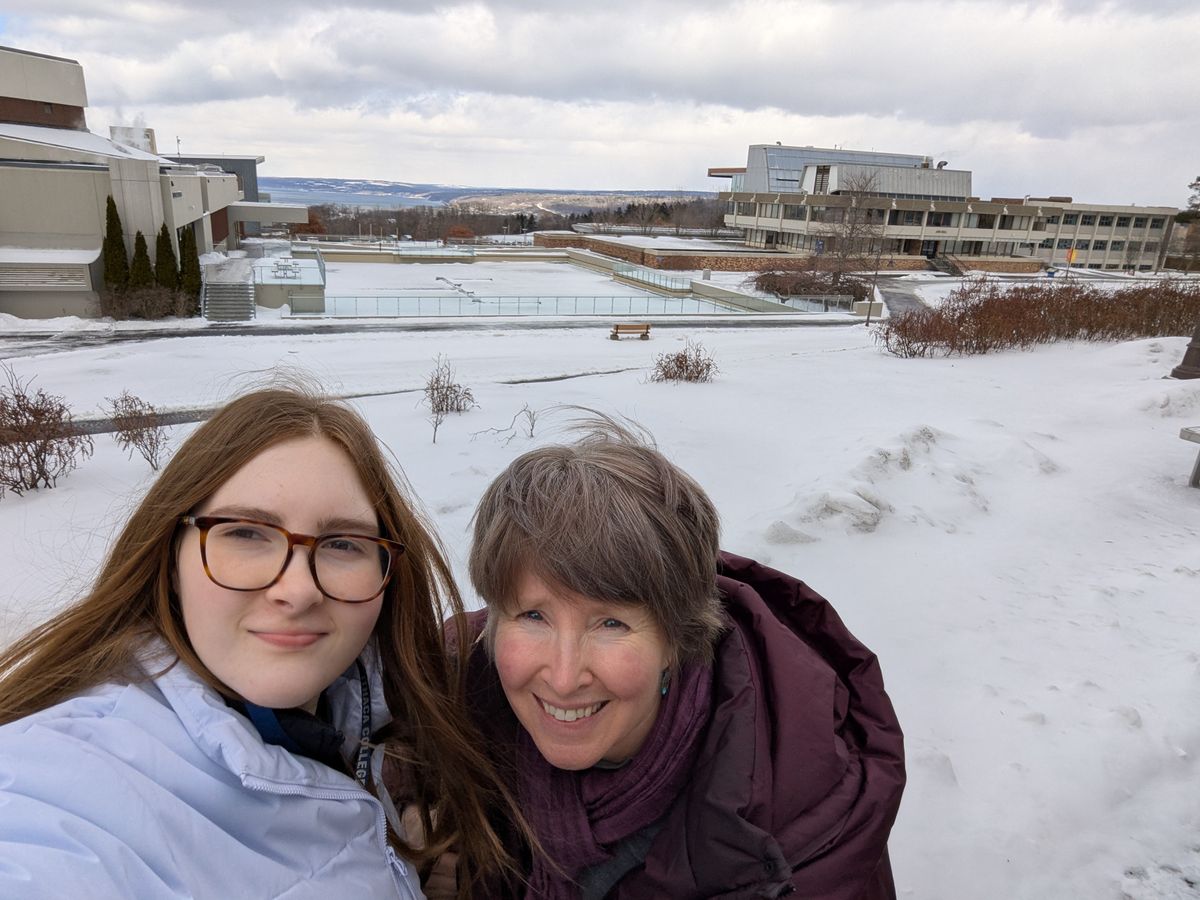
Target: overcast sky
pixel 1097 100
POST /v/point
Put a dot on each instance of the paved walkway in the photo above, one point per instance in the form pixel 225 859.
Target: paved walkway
pixel 899 298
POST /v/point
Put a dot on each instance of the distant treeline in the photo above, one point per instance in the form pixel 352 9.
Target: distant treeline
pixel 427 223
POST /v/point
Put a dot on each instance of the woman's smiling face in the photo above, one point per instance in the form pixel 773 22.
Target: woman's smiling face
pixel 582 675
pixel 280 646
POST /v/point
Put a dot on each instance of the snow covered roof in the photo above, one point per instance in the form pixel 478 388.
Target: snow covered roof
pixel 81 141
pixel 44 255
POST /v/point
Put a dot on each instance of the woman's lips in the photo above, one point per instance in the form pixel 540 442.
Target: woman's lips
pixel 288 638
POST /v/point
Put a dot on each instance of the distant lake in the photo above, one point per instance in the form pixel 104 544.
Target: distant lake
pixel 313 198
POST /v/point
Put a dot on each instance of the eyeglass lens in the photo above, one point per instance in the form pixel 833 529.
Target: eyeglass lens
pixel 249 556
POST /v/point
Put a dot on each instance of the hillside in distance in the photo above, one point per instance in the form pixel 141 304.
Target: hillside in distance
pixel 385 194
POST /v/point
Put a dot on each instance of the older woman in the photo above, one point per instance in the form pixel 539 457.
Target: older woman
pixel 679 722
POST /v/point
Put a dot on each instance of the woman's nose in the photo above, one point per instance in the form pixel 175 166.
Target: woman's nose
pixel 569 668
pixel 296 585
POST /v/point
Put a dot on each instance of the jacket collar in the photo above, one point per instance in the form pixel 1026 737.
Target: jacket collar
pixel 232 742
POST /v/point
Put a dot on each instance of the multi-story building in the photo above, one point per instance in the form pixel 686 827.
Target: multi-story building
pixel 808 199
pixel 56 178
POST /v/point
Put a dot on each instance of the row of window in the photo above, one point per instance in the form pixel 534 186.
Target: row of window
pixel 1086 219
pixel 1132 246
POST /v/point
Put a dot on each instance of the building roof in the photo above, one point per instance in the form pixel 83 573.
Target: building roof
pixel 180 157
pixel 81 141
pixel 38 55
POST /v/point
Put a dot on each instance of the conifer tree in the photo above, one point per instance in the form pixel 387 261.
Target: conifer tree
pixel 166 271
pixel 190 281
pixel 116 263
pixel 141 275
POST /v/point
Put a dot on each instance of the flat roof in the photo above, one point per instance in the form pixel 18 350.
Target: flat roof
pixel 67 139
pixel 182 156
pixel 39 55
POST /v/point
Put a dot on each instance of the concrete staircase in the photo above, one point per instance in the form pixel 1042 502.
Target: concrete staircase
pixel 946 264
pixel 227 302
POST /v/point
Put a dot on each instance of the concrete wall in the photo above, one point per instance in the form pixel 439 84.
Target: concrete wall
pixel 138 194
pixel 30 76
pixel 49 304
pixel 52 208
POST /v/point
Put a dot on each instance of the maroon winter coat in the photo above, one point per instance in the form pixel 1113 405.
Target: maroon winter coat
pixel 800 769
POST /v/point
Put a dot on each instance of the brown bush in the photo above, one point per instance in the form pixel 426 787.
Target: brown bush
pixel 784 283
pixel 138 427
pixel 692 363
pixel 39 443
pixel 983 316
pixel 147 303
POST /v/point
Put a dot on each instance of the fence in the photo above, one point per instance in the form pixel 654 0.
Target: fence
pixel 820 302
pixel 650 276
pixel 396 307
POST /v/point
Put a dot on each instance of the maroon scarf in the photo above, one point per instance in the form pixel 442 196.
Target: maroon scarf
pixel 577 815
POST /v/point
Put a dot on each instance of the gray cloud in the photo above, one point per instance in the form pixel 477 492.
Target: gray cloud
pixel 1048 72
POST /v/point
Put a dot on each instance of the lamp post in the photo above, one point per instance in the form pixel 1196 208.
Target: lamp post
pixel 1190 367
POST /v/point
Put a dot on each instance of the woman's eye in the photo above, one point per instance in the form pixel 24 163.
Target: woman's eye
pixel 614 623
pixel 243 533
pixel 531 615
pixel 346 546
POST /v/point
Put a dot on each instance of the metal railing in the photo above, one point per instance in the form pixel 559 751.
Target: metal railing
pixel 407 306
pixel 820 302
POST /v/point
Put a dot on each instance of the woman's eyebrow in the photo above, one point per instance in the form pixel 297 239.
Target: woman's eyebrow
pixel 338 524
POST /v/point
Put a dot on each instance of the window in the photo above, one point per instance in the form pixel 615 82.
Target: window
pixel 1122 221
pixel 1117 245
pixel 1093 265
pixel 1071 219
pixel 746 209
pixel 1150 247
pixel 1064 243
pixel 1082 245
pixel 1088 219
pixel 943 220
pixel 791 211
pixel 906 217
pixel 1157 222
pixel 1053 220
pixel 1112 266
pixel 768 210
pixel 1134 248
pixel 1106 221
pixel 1099 245
pixel 1144 268
pixel 1139 221
pixel 1014 223
pixel 1047 243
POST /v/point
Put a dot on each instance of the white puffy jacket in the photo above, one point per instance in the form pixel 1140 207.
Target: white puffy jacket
pixel 160 790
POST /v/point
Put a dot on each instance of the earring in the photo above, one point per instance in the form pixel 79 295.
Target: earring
pixel 664 683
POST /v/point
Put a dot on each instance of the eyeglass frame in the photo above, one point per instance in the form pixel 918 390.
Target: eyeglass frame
pixel 204 523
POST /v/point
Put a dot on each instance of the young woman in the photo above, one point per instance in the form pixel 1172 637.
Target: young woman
pixel 211 719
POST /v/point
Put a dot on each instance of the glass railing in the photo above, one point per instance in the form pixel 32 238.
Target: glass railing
pixel 650 276
pixel 396 307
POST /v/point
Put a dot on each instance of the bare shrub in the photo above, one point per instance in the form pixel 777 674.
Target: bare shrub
pixel 444 395
pixel 39 443
pixel 792 283
pixel 692 363
pixel 138 428
pixel 523 423
pixel 983 316
pixel 146 303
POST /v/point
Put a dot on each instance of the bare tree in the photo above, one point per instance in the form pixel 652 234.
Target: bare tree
pixel 853 233
pixel 39 442
pixel 138 427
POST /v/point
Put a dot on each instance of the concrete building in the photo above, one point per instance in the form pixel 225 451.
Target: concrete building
pixel 55 180
pixel 807 199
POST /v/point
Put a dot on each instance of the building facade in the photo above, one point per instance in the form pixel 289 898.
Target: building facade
pixel 55 181
pixel 813 201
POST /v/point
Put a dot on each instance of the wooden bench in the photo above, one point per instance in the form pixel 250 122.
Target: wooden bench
pixel 1193 434
pixel 641 330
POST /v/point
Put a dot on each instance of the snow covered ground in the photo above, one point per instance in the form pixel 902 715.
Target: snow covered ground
pixel 1013 534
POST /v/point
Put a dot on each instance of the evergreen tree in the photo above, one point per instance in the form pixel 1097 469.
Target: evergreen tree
pixel 190 280
pixel 166 271
pixel 141 275
pixel 116 263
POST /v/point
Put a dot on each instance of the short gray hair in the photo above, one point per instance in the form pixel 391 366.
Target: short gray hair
pixel 610 518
